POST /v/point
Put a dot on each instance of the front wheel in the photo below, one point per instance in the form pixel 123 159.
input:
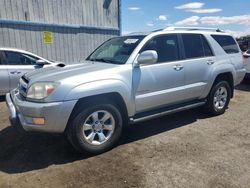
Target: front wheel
pixel 218 98
pixel 96 128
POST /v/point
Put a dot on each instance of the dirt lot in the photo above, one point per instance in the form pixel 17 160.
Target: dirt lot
pixel 188 149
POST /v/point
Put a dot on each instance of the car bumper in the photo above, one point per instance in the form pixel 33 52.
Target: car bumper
pixel 22 112
pixel 240 74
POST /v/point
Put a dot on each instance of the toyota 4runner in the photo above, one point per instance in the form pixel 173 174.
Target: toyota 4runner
pixel 129 79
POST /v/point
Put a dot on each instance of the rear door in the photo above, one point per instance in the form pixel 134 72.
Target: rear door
pixel 18 64
pixel 4 77
pixel 199 60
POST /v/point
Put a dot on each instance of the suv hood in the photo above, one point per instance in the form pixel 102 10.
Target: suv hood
pixel 83 72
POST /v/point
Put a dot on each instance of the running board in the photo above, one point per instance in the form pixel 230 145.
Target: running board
pixel 171 111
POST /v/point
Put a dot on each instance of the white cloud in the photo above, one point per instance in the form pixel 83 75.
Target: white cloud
pixel 239 33
pixel 134 8
pixel 223 20
pixel 216 20
pixel 193 5
pixel 162 18
pixel 150 24
pixel 126 32
pixel 193 20
pixel 204 11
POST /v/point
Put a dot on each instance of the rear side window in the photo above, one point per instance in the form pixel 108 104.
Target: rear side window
pixel 227 43
pixel 196 46
pixel 1 58
pixel 207 49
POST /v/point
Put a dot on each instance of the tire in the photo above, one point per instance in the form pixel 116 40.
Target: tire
pixel 218 98
pixel 96 128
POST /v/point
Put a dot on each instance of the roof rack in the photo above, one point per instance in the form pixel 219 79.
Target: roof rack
pixel 192 29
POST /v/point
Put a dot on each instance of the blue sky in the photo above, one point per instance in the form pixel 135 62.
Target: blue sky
pixel 146 15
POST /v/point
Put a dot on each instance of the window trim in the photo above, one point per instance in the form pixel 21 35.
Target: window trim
pixel 160 35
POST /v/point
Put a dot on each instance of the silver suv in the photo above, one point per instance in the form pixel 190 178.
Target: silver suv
pixel 14 63
pixel 129 79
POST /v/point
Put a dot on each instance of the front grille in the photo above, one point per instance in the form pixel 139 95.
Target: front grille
pixel 23 86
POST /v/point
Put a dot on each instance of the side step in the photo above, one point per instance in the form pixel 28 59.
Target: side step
pixel 163 112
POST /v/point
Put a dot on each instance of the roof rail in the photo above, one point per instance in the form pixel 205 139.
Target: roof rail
pixel 192 29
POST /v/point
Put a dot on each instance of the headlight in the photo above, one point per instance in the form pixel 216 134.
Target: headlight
pixel 41 90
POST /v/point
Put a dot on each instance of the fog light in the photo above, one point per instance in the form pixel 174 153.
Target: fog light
pixel 38 121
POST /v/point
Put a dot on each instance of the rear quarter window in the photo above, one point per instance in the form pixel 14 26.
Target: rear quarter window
pixel 227 43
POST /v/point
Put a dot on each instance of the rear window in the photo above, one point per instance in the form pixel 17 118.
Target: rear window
pixel 227 43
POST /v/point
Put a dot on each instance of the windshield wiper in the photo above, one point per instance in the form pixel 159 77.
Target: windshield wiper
pixel 105 60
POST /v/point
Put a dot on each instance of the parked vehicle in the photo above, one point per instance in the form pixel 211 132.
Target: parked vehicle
pixel 129 79
pixel 14 63
pixel 246 56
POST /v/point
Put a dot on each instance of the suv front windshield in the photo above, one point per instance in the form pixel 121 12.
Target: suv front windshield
pixel 116 50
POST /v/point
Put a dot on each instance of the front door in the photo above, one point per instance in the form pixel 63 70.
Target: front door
pixel 4 77
pixel 162 83
pixel 18 64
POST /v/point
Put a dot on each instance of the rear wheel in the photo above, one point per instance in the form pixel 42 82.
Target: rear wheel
pixel 218 98
pixel 96 128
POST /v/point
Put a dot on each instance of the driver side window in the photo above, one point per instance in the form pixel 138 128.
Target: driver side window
pixel 166 46
pixel 14 58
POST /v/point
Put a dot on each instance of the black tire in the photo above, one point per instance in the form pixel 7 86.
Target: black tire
pixel 75 130
pixel 210 106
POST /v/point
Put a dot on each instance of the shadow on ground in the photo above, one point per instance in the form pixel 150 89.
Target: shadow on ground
pixel 244 86
pixel 26 152
pixel 2 98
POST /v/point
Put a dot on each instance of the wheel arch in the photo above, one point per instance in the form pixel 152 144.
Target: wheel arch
pixel 226 76
pixel 112 97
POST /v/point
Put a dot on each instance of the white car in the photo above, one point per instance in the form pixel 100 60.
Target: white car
pixel 246 56
pixel 16 62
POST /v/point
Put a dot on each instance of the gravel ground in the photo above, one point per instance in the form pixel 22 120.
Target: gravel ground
pixel 187 149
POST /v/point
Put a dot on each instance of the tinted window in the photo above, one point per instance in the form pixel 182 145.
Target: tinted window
pixel 166 46
pixel 1 58
pixel 207 49
pixel 227 43
pixel 193 46
pixel 14 58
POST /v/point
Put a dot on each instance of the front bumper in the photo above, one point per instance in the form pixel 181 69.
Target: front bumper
pixel 56 114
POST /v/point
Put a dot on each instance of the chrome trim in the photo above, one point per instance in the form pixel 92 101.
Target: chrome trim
pixel 132 120
pixel 11 107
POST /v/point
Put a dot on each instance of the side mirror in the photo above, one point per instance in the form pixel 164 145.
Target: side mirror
pixel 147 57
pixel 41 62
pixel 246 56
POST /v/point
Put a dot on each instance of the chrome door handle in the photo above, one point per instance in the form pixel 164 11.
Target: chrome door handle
pixel 15 72
pixel 178 67
pixel 210 62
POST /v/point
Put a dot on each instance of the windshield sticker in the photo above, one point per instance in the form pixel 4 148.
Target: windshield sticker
pixel 131 41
